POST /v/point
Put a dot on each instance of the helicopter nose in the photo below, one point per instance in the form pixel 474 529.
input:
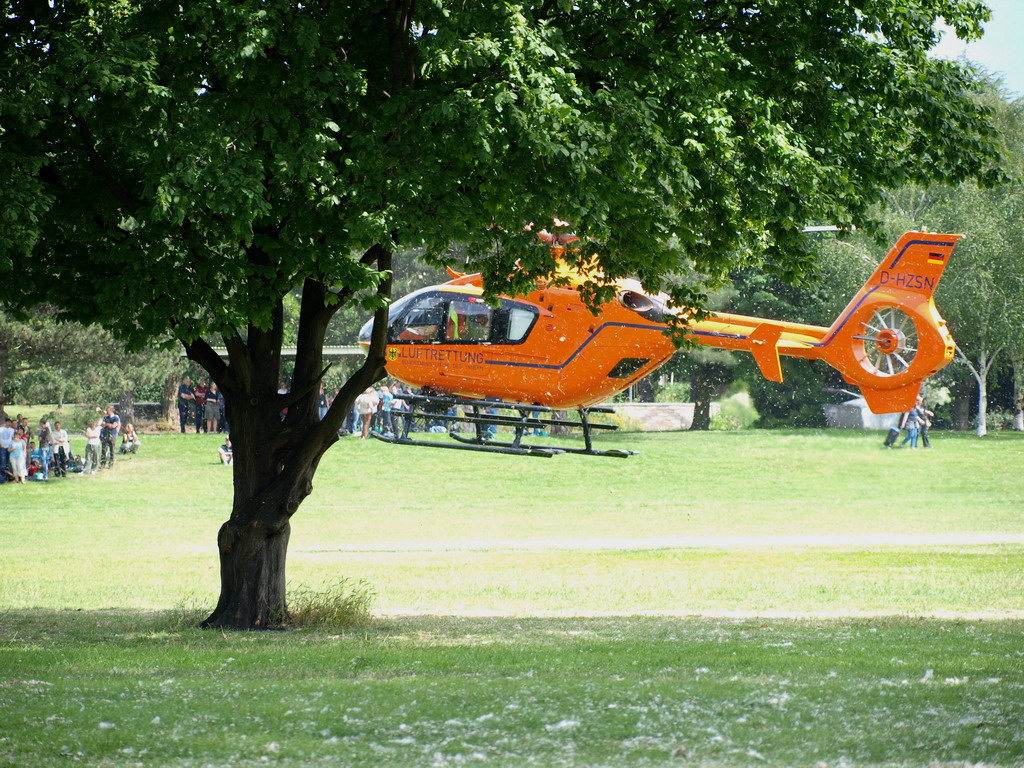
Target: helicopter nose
pixel 365 331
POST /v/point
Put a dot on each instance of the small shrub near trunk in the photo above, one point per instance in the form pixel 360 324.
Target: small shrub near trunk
pixel 341 603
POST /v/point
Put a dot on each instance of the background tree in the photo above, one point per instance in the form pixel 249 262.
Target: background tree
pixel 206 158
pixel 42 360
pixel 710 371
pixel 978 294
pixel 982 292
pixel 28 345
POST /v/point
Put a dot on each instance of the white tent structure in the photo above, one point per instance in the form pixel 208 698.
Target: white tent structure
pixel 855 414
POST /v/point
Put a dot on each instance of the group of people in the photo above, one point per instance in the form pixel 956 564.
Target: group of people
pixel 374 409
pixel 46 451
pixel 22 457
pixel 916 421
pixel 203 405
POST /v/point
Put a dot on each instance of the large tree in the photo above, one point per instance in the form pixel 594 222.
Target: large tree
pixel 203 159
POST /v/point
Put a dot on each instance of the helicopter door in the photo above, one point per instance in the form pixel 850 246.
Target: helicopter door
pixel 469 321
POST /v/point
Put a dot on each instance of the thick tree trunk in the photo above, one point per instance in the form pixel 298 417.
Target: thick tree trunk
pixel 272 475
pixel 701 410
pixel 169 396
pixel 704 385
pixel 559 430
pixel 645 390
pixel 252 574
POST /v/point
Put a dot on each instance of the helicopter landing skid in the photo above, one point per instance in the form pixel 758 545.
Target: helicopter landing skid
pixel 485 416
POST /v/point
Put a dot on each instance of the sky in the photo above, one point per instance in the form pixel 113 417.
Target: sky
pixel 1001 50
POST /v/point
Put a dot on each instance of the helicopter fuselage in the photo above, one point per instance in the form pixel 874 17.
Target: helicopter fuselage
pixel 545 348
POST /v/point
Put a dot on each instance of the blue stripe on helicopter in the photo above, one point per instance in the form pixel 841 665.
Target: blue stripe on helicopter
pixel 839 326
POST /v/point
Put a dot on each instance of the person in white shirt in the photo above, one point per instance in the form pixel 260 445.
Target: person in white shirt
pixel 92 448
pixel 61 448
pixel 19 456
pixel 366 407
pixel 6 437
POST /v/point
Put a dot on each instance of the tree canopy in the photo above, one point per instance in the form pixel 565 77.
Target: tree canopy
pixel 237 149
pixel 198 161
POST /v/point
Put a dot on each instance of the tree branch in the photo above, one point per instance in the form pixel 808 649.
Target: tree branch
pixel 314 316
pixel 372 369
pixel 199 351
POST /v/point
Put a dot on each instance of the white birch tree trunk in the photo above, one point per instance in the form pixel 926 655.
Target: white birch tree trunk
pixel 980 373
pixel 982 402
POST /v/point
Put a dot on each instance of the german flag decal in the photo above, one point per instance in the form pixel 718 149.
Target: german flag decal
pixel 936 258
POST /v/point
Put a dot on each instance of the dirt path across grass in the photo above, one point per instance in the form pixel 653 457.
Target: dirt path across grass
pixel 784 541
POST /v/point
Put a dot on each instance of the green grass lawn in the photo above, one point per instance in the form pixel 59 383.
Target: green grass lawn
pixel 750 598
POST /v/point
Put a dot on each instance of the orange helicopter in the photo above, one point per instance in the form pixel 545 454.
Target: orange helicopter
pixel 517 363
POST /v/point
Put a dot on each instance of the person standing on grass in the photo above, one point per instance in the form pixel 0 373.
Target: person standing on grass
pixel 6 438
pixel 18 450
pixel 211 409
pixel 222 417
pixel 110 426
pixel 384 411
pixel 366 406
pixel 201 391
pixel 322 402
pixel 186 397
pixel 45 437
pixel 922 431
pixel 61 449
pixel 912 421
pixel 92 448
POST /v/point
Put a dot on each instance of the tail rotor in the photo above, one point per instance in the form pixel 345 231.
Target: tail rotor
pixel 889 342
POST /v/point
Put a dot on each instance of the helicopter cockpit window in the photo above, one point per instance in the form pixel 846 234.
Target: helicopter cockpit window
pixel 436 317
pixel 422 322
pixel 469 320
